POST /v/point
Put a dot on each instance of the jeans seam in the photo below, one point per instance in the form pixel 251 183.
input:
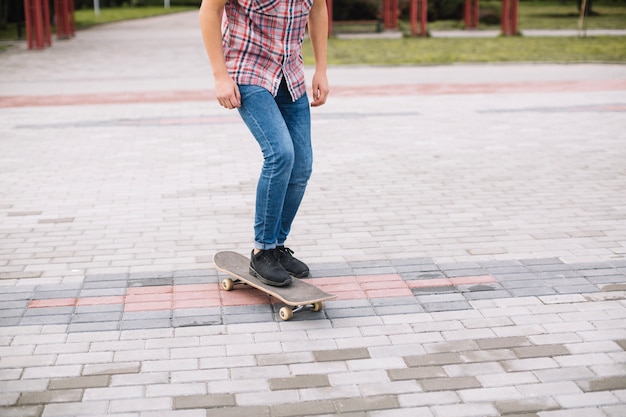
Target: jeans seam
pixel 269 185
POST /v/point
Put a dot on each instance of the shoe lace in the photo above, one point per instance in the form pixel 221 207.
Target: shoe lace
pixel 285 252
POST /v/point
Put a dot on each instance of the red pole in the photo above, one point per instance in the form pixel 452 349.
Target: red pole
pixel 413 14
pixel 71 14
pixel 37 16
pixel 476 12
pixel 386 14
pixel 28 17
pixel 47 32
pixel 514 4
pixel 419 12
pixel 471 14
pixel 59 13
pixel 394 14
pixel 424 17
pixel 38 20
pixel 505 17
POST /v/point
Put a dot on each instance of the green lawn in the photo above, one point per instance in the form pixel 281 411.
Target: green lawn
pixel 533 14
pixel 86 17
pixel 447 50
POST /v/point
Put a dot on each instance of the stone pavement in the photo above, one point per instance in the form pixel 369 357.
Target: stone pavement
pixel 471 219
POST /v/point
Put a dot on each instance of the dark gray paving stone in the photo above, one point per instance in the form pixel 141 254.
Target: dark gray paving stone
pixel 103 292
pixel 464 273
pixel 105 277
pixel 190 321
pixel 41 320
pixel 102 308
pixel 95 285
pixel 147 315
pixel 49 311
pixel 446 306
pixel 145 324
pixel 531 292
pixel 94 327
pixel 96 317
pixel 341 313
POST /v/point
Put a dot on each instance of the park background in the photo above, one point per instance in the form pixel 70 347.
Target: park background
pixel 549 30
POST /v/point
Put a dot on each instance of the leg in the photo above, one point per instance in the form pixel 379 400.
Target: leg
pixel 265 121
pixel 297 116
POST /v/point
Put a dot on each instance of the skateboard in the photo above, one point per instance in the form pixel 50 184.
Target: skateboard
pixel 298 295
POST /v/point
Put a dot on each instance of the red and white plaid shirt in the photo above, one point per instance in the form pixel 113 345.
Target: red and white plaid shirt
pixel 262 42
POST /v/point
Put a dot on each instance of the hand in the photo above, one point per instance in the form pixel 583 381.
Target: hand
pixel 227 92
pixel 320 89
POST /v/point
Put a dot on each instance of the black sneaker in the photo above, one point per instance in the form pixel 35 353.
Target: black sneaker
pixel 265 266
pixel 294 266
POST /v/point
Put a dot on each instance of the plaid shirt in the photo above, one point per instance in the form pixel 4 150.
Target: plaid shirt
pixel 262 42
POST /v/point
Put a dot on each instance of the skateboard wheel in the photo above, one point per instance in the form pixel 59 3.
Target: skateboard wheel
pixel 285 313
pixel 318 306
pixel 228 284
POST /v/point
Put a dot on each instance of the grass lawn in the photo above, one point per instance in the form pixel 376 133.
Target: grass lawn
pixel 533 14
pixel 86 17
pixel 446 51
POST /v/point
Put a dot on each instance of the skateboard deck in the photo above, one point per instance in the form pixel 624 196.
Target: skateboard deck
pixel 298 295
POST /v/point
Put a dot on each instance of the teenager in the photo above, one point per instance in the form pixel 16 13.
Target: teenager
pixel 255 50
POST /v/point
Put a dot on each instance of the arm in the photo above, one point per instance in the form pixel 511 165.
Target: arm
pixel 318 32
pixel 210 25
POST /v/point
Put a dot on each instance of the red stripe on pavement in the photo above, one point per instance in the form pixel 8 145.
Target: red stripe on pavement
pixel 339 91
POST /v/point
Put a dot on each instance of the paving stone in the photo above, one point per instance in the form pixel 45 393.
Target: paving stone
pixel 465 410
pixel 366 404
pixel 450 383
pixel 503 342
pixel 97 317
pixel 340 354
pixel 105 277
pixel 45 320
pixel 22 411
pixel 526 405
pixel 145 324
pixel 103 308
pixel 93 326
pixel 303 408
pixel 603 384
pixel 112 369
pixel 138 404
pixel 614 410
pixel 419 373
pixel 103 287
pixel 257 411
pixel 58 396
pixel 489 394
pixel 540 351
pixel 96 381
pixel 433 359
pixel 12 313
pixel 447 306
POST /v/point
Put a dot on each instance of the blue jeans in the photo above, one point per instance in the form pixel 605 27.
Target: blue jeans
pixel 282 127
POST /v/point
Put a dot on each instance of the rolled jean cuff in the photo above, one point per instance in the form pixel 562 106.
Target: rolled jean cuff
pixel 264 246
